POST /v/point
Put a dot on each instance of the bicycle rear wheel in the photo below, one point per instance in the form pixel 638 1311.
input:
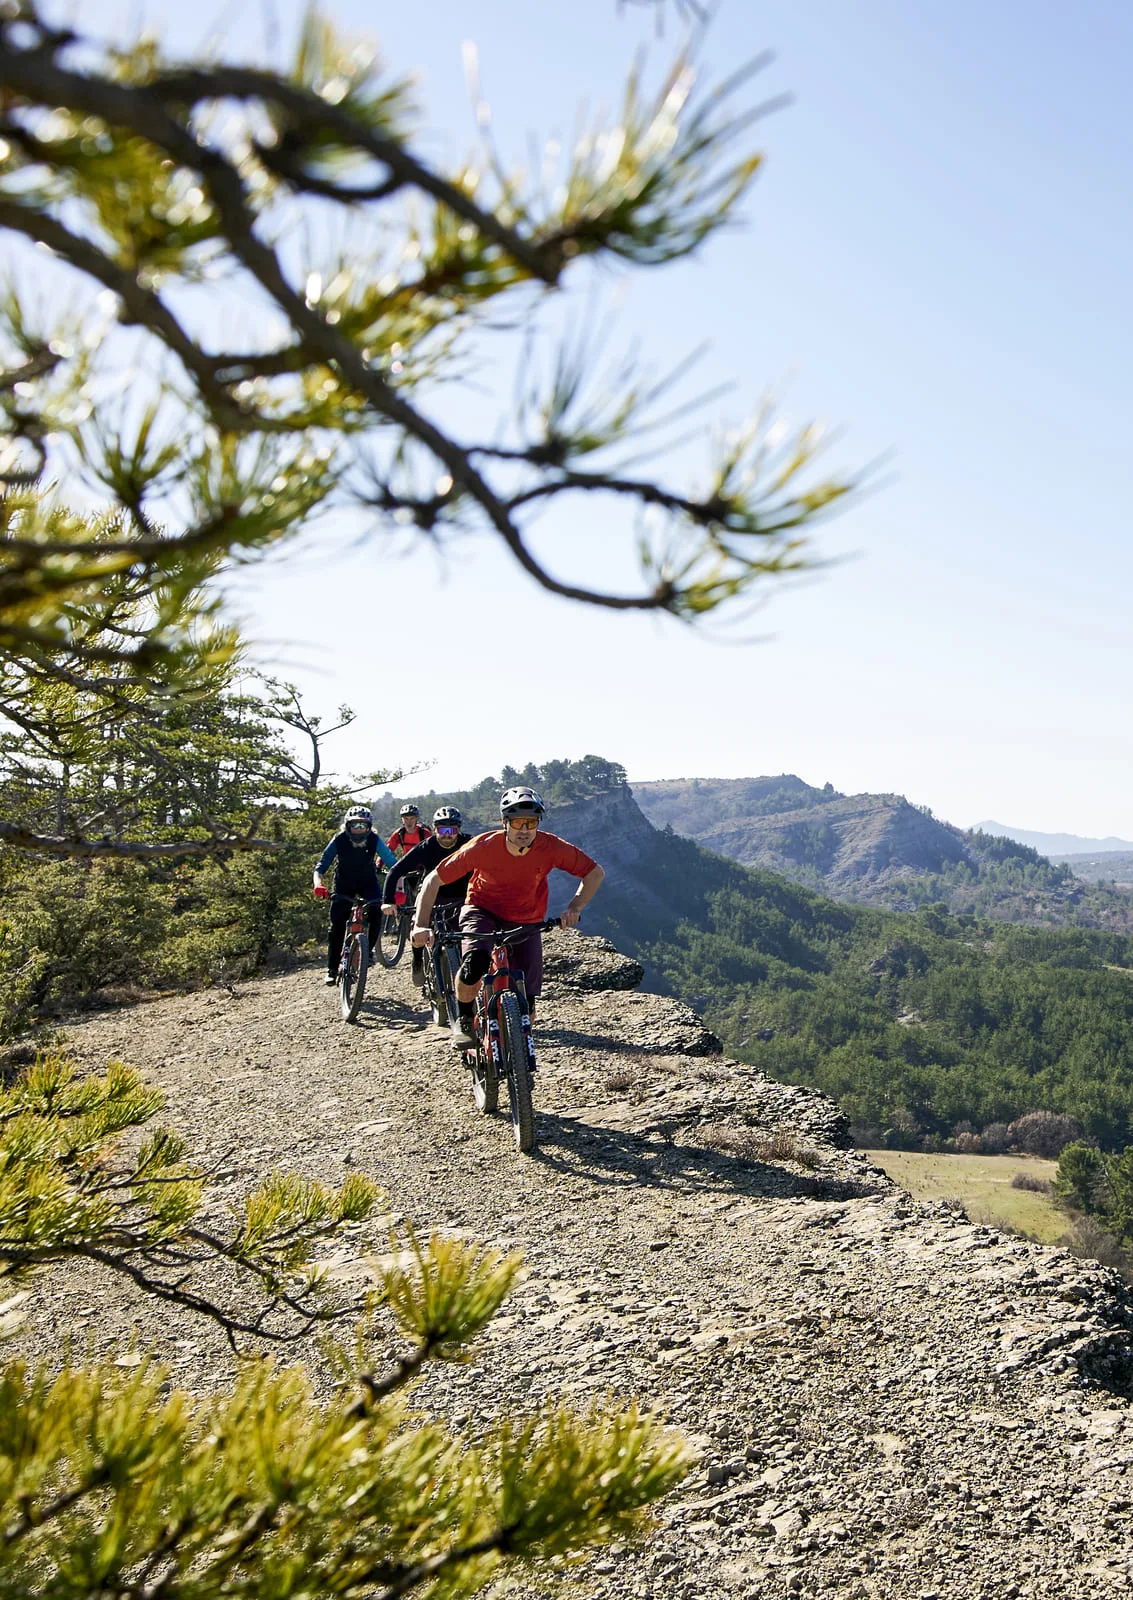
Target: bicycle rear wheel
pixel 355 965
pixel 392 932
pixel 514 1047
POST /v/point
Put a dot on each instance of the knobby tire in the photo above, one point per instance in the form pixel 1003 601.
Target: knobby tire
pixel 514 1048
pixel 392 933
pixel 354 969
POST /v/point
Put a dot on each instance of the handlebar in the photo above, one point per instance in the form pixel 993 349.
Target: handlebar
pixel 501 936
pixel 357 899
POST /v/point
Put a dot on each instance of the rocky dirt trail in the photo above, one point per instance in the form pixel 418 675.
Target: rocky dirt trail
pixel 888 1400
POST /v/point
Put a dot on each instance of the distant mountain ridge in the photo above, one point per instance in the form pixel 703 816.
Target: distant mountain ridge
pixel 876 849
pixel 1056 845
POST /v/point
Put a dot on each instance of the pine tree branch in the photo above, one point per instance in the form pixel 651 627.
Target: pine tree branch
pixel 142 308
pixel 146 112
pixel 78 848
pixel 34 1519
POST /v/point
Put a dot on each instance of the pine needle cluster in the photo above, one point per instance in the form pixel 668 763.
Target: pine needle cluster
pixel 114 1483
pixel 271 281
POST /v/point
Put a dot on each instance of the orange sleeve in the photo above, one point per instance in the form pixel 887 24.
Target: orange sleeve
pixel 569 858
pixel 460 862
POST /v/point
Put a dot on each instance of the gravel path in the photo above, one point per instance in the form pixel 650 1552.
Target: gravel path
pixel 888 1400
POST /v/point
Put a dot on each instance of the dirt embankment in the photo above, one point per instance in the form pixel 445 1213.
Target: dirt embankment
pixel 889 1401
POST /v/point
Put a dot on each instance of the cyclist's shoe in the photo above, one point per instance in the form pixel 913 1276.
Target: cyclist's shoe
pixel 331 979
pixel 463 1033
pixel 418 973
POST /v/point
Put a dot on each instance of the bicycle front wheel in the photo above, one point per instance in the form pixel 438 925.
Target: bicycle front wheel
pixel 392 933
pixel 514 1045
pixel 356 964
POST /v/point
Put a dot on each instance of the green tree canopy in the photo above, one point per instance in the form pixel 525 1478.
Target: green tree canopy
pixel 168 200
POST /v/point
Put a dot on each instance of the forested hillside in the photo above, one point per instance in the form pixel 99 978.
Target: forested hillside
pixel 1114 867
pixel 926 1026
pixel 921 1025
pixel 152 796
pixel 560 782
pixel 877 849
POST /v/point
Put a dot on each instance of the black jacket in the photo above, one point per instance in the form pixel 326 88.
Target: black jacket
pixel 423 858
pixel 356 868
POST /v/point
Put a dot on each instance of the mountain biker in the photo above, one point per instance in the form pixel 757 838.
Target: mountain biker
pixel 448 835
pixel 352 853
pixel 411 833
pixel 509 867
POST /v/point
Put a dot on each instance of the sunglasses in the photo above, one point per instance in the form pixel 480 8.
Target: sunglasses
pixel 528 824
pixel 446 833
pixel 357 827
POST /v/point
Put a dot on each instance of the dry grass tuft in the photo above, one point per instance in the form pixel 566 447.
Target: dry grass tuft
pixel 745 1144
pixel 1029 1180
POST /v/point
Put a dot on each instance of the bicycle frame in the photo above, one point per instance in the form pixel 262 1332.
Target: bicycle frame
pixel 356 924
pixel 501 978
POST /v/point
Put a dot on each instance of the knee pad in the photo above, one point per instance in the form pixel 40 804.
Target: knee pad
pixel 475 965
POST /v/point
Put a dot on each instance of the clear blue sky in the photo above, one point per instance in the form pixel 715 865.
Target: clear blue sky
pixel 937 259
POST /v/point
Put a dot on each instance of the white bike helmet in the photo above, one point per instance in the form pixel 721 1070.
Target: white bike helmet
pixel 521 802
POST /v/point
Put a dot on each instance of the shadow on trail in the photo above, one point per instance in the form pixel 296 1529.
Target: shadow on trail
pixel 613 1158
pixel 384 1011
pixel 569 1039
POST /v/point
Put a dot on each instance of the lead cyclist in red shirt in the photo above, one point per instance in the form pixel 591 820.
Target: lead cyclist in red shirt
pixel 508 870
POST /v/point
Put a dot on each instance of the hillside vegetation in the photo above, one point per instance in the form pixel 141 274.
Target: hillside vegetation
pixel 930 1029
pixel 877 849
pixel 561 782
pixel 1114 867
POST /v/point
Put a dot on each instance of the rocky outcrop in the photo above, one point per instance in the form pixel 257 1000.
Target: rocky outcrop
pixel 842 840
pixel 611 828
pixel 574 961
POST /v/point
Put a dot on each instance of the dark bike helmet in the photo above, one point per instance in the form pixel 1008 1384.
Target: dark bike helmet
pixel 521 802
pixel 447 814
pixel 410 811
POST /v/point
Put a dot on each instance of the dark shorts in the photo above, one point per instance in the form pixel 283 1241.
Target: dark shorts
pixel 527 954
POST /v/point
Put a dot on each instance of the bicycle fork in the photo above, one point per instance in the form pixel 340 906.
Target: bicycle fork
pixel 494 1050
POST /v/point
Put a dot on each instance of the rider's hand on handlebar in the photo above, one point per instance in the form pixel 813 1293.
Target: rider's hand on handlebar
pixel 569 918
pixel 322 892
pixel 422 938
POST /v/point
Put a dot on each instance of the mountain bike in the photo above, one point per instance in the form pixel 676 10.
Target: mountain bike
pixel 393 931
pixel 355 962
pixel 504 1047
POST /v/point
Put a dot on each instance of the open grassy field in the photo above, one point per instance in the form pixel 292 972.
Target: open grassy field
pixel 983 1183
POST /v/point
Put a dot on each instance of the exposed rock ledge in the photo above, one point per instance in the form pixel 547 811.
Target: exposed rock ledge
pixel 888 1400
